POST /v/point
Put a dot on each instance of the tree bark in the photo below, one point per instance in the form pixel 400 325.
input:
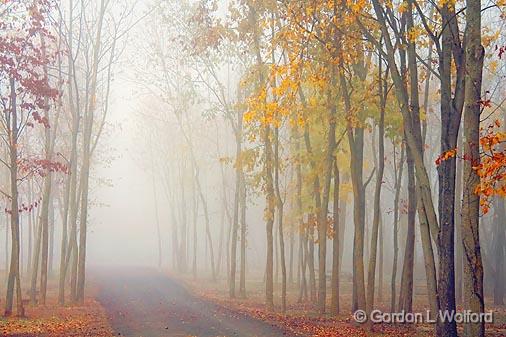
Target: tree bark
pixel 371 275
pixel 30 233
pixel 451 111
pixel 317 198
pixel 381 260
pixel 44 217
pixel 183 256
pixel 356 141
pixel 155 202
pixel 235 223
pixel 398 185
pixel 300 222
pixel 310 258
pixel 343 207
pixel 51 236
pixel 35 265
pixel 270 202
pixel 279 205
pixel 291 251
pixel 473 265
pixel 71 194
pixel 85 169
pixel 323 209
pixel 406 291
pixel 207 223
pixel 334 302
pixel 459 267
pixel 83 226
pixel 269 217
pixel 195 209
pixel 242 206
pixel 14 279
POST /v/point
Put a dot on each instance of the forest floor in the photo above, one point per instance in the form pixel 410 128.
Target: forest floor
pixel 301 319
pixel 52 320
pixel 137 302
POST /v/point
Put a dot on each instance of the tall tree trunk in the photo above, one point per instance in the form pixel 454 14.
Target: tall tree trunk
pixel 174 232
pixel 276 253
pixel 70 197
pixel 64 238
pixel 310 258
pixel 30 236
pixel 235 223
pixel 279 206
pixel 269 215
pixel 229 239
pixel 44 218
pixel 75 194
pixel 155 202
pixel 398 185
pixel 14 280
pixel 310 222
pixel 290 256
pixel 371 274
pixel 450 122
pixel 270 202
pixel 302 230
pixel 323 209
pixel 317 198
pixel 20 246
pixel 221 243
pixel 85 169
pixel 458 225
pixel 343 208
pixel 303 262
pixel 381 260
pixel 356 141
pixel 7 257
pixel 83 226
pixel 224 239
pixel 473 265
pixel 426 213
pixel 334 301
pixel 69 250
pixel 35 265
pixel 242 206
pixel 47 204
pixel 207 223
pixel 183 257
pixel 195 209
pixel 74 251
pixel 406 291
pixel 51 236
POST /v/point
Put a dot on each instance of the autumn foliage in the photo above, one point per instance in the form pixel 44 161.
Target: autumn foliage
pixel 26 49
pixel 492 166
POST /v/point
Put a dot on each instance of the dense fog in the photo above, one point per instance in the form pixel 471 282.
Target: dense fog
pixel 294 157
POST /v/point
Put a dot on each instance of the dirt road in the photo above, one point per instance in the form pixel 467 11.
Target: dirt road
pixel 145 303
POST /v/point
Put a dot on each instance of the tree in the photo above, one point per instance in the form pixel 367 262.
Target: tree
pixel 371 275
pixel 28 93
pixel 473 265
